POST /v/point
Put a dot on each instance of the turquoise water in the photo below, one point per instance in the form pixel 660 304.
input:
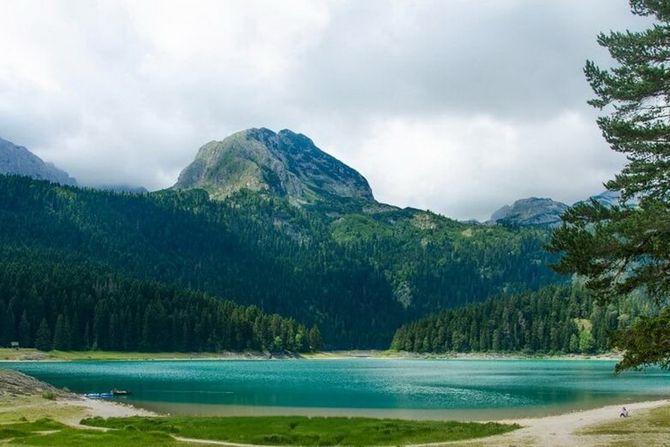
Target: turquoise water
pixel 360 386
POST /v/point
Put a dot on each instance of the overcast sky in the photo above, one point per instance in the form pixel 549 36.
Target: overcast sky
pixel 455 106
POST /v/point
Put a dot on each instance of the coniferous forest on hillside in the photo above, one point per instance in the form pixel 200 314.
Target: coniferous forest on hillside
pixel 356 274
pixel 68 306
pixel 560 319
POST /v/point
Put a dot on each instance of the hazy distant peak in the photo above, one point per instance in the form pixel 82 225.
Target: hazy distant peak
pixel 18 160
pixel 532 211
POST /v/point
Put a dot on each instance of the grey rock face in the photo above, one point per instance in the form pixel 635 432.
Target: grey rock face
pixel 532 211
pixel 18 160
pixel 286 164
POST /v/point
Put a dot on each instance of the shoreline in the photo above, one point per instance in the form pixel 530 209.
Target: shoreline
pixel 32 355
pixel 23 397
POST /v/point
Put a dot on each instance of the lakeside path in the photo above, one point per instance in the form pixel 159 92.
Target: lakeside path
pixel 589 428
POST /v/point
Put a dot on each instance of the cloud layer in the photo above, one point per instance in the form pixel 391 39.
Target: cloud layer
pixel 455 106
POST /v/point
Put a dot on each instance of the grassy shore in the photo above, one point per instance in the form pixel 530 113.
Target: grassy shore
pixel 30 354
pixel 36 421
pixel 297 430
pixel 36 414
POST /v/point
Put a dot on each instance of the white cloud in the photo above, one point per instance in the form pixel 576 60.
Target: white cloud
pixel 450 105
pixel 468 167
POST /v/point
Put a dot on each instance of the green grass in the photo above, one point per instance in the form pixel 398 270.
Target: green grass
pixel 23 429
pixel 15 409
pixel 72 437
pixel 35 421
pixel 297 430
pixel 273 430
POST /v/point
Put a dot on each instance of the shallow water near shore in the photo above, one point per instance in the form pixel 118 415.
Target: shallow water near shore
pixel 423 389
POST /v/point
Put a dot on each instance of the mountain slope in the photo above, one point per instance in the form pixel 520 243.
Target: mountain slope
pixel 285 164
pixel 357 276
pixel 18 160
pixel 251 249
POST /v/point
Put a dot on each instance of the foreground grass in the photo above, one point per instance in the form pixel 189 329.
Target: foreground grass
pixel 36 421
pixel 46 432
pixel 18 409
pixel 297 430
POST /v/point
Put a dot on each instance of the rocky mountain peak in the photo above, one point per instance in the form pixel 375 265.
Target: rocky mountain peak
pixel 283 163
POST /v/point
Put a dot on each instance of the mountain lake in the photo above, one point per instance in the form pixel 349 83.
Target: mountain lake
pixel 417 389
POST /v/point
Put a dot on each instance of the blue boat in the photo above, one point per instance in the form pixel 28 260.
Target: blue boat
pixel 99 395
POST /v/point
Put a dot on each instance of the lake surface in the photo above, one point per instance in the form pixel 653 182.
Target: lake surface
pixel 461 389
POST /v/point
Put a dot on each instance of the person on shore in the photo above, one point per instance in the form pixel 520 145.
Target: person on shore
pixel 623 413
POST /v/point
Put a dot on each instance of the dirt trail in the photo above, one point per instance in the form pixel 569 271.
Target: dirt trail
pixel 561 430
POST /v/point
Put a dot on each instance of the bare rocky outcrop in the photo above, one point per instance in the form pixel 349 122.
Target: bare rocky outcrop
pixel 285 164
pixel 14 383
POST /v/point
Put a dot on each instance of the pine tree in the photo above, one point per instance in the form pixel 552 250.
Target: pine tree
pixel 43 336
pixel 24 331
pixel 61 341
pixel 314 339
pixel 626 247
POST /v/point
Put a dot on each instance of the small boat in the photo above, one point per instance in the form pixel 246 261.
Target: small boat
pixel 116 392
pixel 99 395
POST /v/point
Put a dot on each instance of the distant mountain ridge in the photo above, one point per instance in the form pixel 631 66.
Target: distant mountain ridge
pixel 285 164
pixel 18 160
pixel 546 212
pixel 533 211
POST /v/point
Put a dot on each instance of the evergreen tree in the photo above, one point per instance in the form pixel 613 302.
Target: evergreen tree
pixel 24 331
pixel 43 336
pixel 61 341
pixel 7 334
pixel 314 339
pixel 625 248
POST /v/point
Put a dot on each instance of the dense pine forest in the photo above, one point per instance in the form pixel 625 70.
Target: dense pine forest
pixel 66 306
pixel 554 320
pixel 356 273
